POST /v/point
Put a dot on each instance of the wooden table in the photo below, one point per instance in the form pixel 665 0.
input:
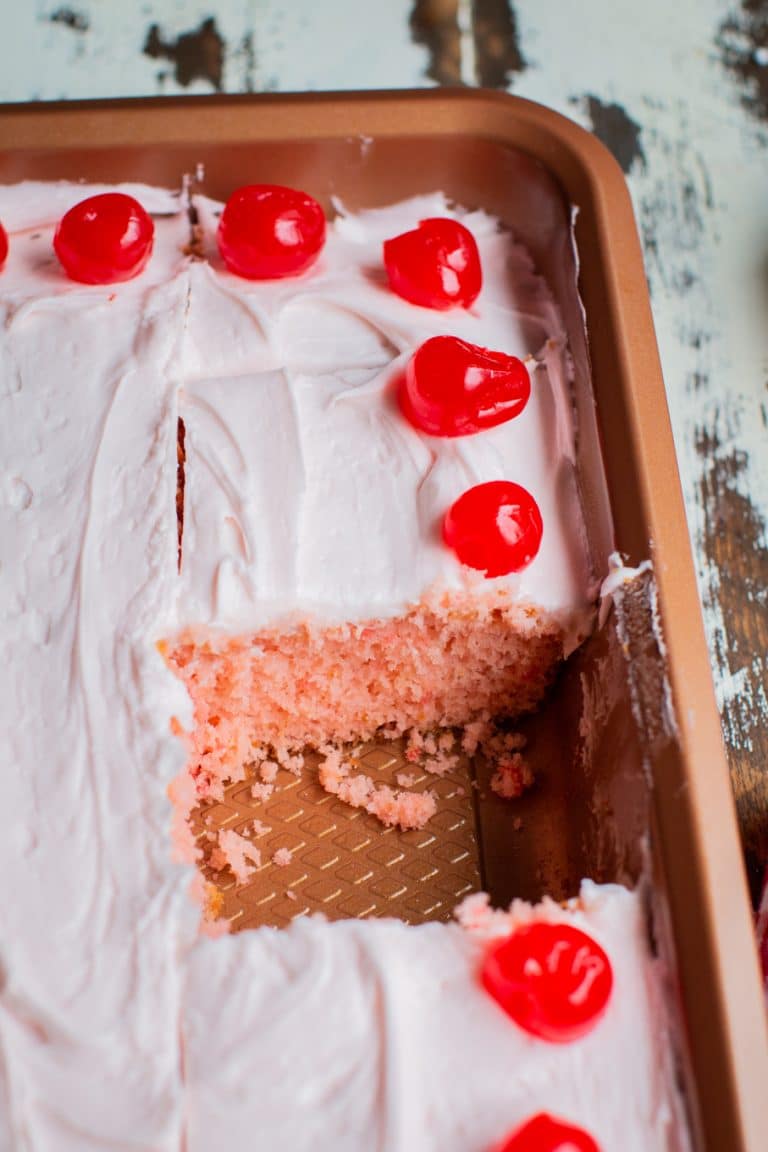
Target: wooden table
pixel 678 92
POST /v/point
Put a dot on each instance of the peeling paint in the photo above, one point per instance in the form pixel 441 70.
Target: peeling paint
pixel 676 204
pixel 70 18
pixel 434 25
pixel 498 55
pixel 195 55
pixel 742 40
pixel 246 52
pixel 618 131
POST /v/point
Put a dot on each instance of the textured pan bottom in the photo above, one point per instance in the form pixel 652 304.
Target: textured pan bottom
pixel 343 862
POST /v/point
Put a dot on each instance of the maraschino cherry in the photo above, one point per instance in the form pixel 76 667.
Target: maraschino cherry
pixel 543 1133
pixel 104 239
pixel 436 265
pixel 494 527
pixel 452 388
pixel 267 231
pixel 3 246
pixel 552 979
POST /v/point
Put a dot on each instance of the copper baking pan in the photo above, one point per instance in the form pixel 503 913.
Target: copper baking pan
pixel 632 777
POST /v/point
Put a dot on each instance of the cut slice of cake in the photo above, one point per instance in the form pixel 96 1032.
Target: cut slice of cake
pixel 318 602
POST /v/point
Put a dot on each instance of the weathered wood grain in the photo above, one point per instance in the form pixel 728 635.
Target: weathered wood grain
pixel 735 546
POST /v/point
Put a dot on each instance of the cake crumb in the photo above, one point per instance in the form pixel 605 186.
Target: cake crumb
pixel 406 779
pixel 290 895
pixel 260 828
pixel 405 810
pixel 434 753
pixel 183 796
pixel 214 901
pixel 235 852
pixel 474 911
pixel 261 791
pixel 268 771
pixel 282 857
pixel 473 734
pixel 513 775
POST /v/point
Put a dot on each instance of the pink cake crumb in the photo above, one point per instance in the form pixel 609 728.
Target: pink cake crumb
pixel 294 764
pixel 441 764
pixel 406 810
pixel 474 912
pixel 512 777
pixel 260 828
pixel 332 770
pixel 435 753
pixel 261 791
pixel 210 900
pixel 282 857
pixel 268 771
pixel 182 794
pixel 234 852
pixel 406 779
pixel 291 895
pixel 479 919
pixel 473 734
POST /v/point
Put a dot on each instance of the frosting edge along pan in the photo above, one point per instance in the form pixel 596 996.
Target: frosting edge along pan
pixel 653 764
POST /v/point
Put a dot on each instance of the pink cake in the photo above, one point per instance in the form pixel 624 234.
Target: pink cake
pixel 318 605
pixel 306 590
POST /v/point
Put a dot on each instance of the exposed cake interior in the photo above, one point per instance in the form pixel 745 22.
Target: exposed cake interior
pixel 442 665
pixel 317 604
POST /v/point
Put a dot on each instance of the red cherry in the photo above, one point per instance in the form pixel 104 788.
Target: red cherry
pixel 436 265
pixel 3 246
pixel 104 239
pixel 267 231
pixel 452 388
pixel 552 979
pixel 494 527
pixel 543 1133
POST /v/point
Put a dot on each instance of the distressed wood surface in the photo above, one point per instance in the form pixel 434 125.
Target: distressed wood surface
pixel 678 92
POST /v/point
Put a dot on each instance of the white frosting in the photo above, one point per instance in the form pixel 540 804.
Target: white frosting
pixel 377 1036
pixel 101 973
pixel 93 908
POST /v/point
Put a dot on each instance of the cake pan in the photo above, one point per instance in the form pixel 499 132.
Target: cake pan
pixel 632 777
